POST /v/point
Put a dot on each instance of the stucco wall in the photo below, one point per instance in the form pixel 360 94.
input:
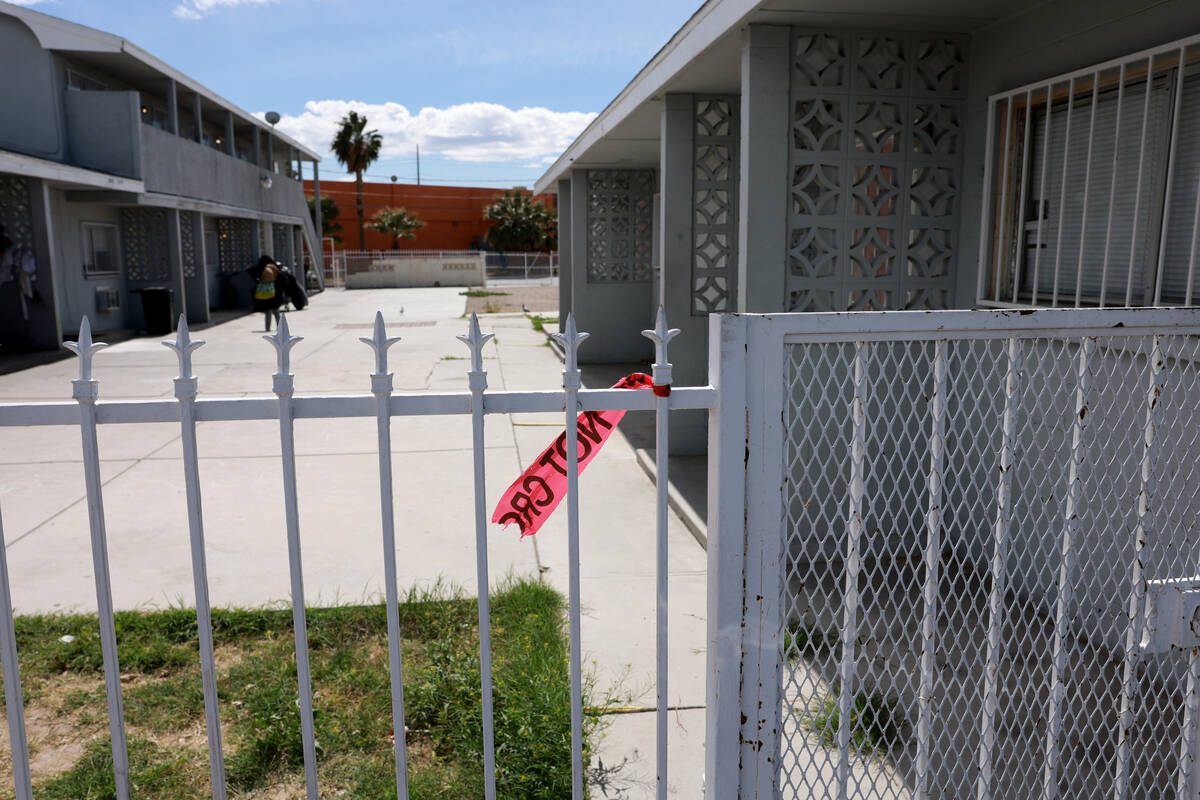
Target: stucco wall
pixel 1049 40
pixel 77 292
pixel 178 166
pixel 104 131
pixel 31 120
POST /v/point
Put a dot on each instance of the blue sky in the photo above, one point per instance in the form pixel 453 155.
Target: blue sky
pixel 492 91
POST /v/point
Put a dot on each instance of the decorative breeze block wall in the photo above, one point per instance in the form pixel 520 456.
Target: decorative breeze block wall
pixel 715 157
pixel 875 166
pixel 235 244
pixel 16 211
pixel 620 218
pixel 187 242
pixel 279 243
pixel 144 244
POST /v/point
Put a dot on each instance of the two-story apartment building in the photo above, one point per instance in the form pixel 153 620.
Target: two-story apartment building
pixel 118 173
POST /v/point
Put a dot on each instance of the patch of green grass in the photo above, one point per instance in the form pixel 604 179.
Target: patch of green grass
pixel 154 771
pixel 454 358
pixel 259 708
pixel 875 724
pixel 482 293
pixel 539 321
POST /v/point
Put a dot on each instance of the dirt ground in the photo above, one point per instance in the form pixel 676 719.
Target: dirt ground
pixel 538 299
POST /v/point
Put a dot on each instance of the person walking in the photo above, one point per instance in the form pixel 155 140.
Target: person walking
pixel 267 297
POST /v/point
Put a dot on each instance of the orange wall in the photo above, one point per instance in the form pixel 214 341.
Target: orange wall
pixel 453 215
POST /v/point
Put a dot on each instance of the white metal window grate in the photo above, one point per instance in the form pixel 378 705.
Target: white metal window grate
pixel 968 516
pixel 1091 185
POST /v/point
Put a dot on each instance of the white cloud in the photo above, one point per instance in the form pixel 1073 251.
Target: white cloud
pixel 197 9
pixel 26 2
pixel 475 132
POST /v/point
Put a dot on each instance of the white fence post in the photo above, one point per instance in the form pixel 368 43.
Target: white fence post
pixel 86 391
pixel 661 336
pixel 381 387
pixel 854 531
pixel 933 559
pixel 761 687
pixel 185 392
pixel 13 704
pixel 727 448
pixel 1000 546
pixel 570 339
pixel 1066 572
pixel 477 380
pixel 283 386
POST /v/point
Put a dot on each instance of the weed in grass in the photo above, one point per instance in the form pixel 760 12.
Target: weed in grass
pixel 875 724
pixel 539 321
pixel 482 293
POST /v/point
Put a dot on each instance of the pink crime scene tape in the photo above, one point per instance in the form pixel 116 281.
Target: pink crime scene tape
pixel 534 496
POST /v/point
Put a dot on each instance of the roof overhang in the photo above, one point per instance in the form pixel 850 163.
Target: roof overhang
pixel 71 38
pixel 704 56
pixel 65 175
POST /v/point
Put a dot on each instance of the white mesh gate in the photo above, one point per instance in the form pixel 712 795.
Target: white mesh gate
pixel 954 555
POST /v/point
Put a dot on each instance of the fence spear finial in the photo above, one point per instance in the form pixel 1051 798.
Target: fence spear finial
pixel 379 342
pixel 661 336
pixel 183 346
pixel 283 341
pixel 570 339
pixel 475 339
pixel 85 348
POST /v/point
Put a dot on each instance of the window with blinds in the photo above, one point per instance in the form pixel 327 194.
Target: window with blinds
pixel 1092 187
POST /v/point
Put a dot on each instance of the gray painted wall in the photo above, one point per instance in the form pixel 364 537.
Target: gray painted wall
pixel 1052 39
pixel 76 292
pixel 104 131
pixel 31 121
pixel 178 166
pixel 614 313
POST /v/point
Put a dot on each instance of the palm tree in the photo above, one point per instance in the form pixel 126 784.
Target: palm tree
pixel 519 223
pixel 397 222
pixel 356 149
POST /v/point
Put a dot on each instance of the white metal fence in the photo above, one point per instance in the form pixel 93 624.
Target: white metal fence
pixel 955 554
pixel 1092 185
pixel 88 411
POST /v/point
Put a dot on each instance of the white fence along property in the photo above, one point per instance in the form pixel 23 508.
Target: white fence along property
pixel 950 554
pixel 88 412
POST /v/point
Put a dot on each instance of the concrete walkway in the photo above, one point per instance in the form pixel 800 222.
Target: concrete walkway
pixel 45 515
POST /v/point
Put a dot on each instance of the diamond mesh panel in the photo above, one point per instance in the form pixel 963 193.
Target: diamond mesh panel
pixel 992 660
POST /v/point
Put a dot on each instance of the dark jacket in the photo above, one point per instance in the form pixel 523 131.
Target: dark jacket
pixel 291 289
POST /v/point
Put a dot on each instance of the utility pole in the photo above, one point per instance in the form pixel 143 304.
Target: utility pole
pixel 418 165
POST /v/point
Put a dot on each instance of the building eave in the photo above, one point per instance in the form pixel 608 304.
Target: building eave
pixel 701 31
pixel 65 174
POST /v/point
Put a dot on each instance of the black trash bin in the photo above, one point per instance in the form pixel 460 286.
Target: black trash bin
pixel 157 307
